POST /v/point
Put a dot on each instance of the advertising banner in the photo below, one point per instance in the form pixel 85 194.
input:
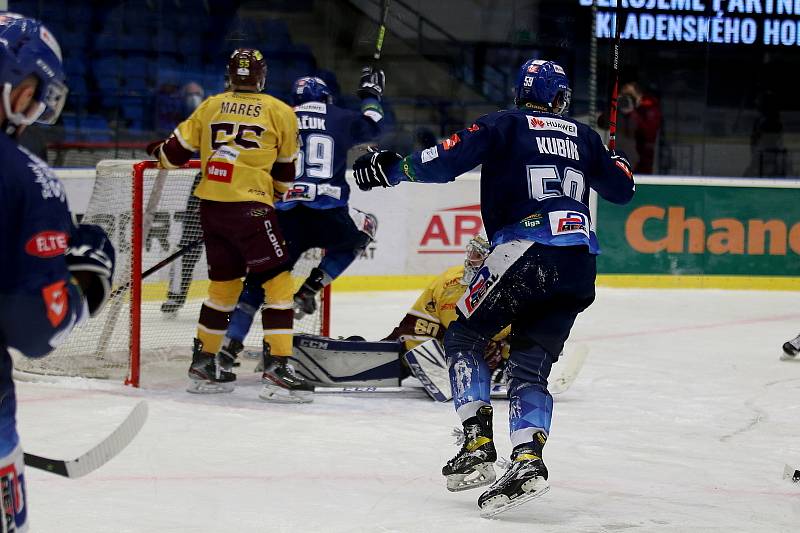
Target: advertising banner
pixel 703 226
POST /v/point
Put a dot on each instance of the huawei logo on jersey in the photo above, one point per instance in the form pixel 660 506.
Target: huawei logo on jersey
pixel 451 142
pixel 535 123
pixel 552 124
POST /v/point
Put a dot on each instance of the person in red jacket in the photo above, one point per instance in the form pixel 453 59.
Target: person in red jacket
pixel 638 126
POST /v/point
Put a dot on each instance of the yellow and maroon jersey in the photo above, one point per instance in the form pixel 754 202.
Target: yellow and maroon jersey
pixel 434 310
pixel 240 136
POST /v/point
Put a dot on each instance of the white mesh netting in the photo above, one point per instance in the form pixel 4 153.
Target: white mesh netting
pixel 100 348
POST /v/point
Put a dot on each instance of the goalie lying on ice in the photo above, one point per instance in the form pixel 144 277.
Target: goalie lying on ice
pixel 413 347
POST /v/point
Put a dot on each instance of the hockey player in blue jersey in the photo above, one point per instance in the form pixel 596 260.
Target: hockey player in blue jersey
pixel 53 275
pixel 314 212
pixel 537 169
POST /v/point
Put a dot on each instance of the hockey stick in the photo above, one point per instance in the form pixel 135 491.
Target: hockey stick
pixel 612 117
pixel 569 369
pixel 381 30
pixel 161 264
pixel 100 454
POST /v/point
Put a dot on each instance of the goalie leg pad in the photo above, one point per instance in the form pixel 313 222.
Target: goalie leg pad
pixel 327 362
pixel 427 363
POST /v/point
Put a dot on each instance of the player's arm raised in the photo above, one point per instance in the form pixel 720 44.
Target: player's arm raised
pixel 612 174
pixel 460 153
pixel 369 123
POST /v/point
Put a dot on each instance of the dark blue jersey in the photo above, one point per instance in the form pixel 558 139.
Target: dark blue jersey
pixel 39 304
pixel 537 169
pixel 327 132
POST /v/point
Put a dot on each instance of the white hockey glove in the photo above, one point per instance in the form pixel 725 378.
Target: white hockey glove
pixel 372 170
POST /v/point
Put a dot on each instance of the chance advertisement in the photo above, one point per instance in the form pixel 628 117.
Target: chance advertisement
pixel 696 229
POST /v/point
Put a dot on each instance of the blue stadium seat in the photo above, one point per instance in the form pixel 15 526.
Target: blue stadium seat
pixel 95 128
pixel 137 84
pixel 275 32
pixel 135 42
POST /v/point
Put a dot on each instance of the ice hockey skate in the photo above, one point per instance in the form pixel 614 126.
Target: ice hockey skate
pixel 305 299
pixel 525 480
pixel 281 384
pixel 205 376
pixel 791 349
pixel 172 305
pixel 473 465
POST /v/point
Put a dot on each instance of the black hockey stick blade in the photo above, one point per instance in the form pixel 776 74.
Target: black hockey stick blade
pixel 100 454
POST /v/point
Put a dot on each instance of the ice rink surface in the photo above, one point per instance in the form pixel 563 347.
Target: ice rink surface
pixel 681 421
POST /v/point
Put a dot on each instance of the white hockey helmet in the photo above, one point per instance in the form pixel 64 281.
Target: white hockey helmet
pixel 477 250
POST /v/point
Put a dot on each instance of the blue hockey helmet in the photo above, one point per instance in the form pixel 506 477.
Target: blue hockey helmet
pixel 310 89
pixel 27 48
pixel 543 83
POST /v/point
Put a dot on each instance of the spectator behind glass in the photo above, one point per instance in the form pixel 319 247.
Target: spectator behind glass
pixel 768 155
pixel 638 126
pixel 193 95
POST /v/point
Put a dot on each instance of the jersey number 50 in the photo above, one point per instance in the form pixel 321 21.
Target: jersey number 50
pixel 544 181
pixel 316 159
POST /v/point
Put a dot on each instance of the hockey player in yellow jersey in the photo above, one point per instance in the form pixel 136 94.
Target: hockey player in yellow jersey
pixel 435 308
pixel 248 142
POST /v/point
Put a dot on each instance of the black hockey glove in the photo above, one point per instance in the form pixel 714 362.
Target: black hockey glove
pixel 372 83
pixel 90 258
pixel 372 169
pixel 621 160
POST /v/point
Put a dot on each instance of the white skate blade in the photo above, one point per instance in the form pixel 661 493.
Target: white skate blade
pixel 499 504
pixel 482 475
pixel 200 386
pixel 275 394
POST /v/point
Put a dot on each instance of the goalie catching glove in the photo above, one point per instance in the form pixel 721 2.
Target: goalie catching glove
pixel 373 169
pixel 90 258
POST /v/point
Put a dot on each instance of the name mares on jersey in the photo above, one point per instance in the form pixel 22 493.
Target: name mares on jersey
pixel 240 136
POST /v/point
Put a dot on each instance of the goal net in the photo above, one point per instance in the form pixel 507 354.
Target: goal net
pixel 145 331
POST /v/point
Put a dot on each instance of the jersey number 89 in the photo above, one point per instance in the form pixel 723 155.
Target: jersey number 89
pixel 316 159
